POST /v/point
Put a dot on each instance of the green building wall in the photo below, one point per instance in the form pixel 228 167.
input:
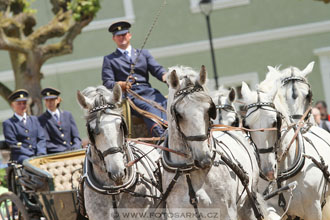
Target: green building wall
pixel 177 25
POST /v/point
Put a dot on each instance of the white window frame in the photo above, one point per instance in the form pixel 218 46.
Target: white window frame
pixel 324 57
pixel 218 4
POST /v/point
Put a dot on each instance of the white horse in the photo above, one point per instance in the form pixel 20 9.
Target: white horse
pixel 112 188
pixel 284 161
pixel 295 89
pixel 224 100
pixel 202 182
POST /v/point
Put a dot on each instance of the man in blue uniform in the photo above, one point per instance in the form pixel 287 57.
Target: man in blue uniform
pixel 22 132
pixel 59 126
pixel 117 68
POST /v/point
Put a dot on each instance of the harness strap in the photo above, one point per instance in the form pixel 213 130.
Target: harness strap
pixel 170 187
pixel 114 205
pixel 81 198
pixel 112 150
pixel 147 114
pixel 300 125
pixel 192 197
pixel 244 178
pixel 221 127
pixel 321 165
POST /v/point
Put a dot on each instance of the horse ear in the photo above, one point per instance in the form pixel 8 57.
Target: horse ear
pixel 83 101
pixel 117 93
pixel 232 95
pixel 174 80
pixel 308 68
pixel 246 92
pixel 202 76
pixel 271 69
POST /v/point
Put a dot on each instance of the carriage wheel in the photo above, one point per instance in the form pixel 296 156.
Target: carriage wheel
pixel 11 207
pixel 11 180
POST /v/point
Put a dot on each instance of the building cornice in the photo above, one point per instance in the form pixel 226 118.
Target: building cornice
pixel 192 47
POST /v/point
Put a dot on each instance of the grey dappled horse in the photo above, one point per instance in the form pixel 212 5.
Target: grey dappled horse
pixel 201 182
pixel 111 188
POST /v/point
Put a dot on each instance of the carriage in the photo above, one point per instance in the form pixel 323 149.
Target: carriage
pixel 46 187
pixel 43 187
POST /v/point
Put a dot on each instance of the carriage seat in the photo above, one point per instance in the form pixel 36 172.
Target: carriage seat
pixel 66 173
pixel 63 168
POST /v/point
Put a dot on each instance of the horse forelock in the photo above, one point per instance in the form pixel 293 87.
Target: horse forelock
pixel 96 94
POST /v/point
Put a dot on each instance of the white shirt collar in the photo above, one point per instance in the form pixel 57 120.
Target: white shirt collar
pixel 128 49
pixel 20 118
pixel 57 112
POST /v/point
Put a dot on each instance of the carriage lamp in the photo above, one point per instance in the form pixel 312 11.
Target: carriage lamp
pixel 206 8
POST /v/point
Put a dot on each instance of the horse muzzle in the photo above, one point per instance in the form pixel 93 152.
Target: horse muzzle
pixel 118 177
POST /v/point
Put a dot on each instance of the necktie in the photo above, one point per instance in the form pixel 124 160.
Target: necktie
pixel 24 121
pixel 126 55
pixel 56 117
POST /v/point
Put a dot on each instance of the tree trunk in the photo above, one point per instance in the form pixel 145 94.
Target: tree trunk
pixel 27 74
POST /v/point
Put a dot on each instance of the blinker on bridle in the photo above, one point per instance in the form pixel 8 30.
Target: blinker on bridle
pixel 293 79
pixel 98 109
pixel 180 95
pixel 260 105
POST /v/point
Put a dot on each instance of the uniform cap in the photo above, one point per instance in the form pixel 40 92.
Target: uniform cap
pixel 18 95
pixel 50 93
pixel 120 27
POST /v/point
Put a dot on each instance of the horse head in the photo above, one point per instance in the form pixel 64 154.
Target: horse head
pixel 294 88
pixel 224 100
pixel 189 111
pixel 106 129
pixel 261 113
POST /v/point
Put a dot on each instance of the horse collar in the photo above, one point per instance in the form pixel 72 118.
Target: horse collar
pixel 91 181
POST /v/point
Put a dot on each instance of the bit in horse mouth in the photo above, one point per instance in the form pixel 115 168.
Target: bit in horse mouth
pixel 119 182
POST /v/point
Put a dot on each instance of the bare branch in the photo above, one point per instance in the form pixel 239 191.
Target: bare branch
pixel 13 44
pixel 57 27
pixel 5 92
pixel 66 45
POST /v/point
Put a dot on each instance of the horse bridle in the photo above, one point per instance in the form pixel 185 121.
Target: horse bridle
pixel 294 79
pixel 261 105
pixel 227 108
pixel 104 108
pixel 180 95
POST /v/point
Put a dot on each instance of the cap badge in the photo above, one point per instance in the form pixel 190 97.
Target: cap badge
pixel 119 28
pixel 21 96
pixel 48 94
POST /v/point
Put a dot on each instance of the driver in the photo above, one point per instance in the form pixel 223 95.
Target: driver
pixel 117 67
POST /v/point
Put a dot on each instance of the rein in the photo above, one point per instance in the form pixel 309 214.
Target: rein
pixel 300 125
pixel 221 127
pixel 130 78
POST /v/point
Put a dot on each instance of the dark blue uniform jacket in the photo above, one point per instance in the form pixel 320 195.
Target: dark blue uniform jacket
pixel 116 67
pixel 25 140
pixel 62 136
